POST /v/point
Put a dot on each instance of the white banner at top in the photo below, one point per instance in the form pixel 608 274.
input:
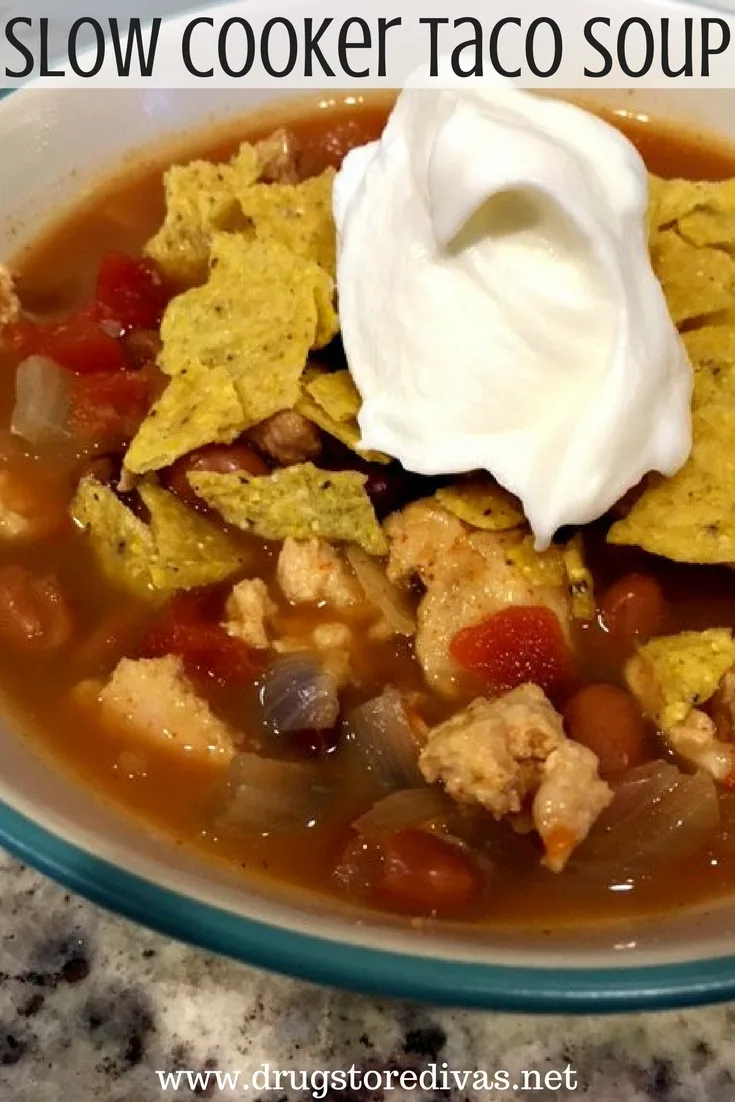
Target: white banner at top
pixel 332 43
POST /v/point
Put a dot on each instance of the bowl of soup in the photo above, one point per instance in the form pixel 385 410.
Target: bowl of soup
pixel 287 700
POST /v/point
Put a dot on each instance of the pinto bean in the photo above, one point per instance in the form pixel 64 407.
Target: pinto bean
pixel 633 609
pixel 287 438
pixel 608 721
pixel 223 458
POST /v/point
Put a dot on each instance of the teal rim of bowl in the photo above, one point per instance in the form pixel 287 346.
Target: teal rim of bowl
pixel 440 981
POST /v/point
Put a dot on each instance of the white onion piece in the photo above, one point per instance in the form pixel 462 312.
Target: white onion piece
pixel 264 795
pixel 658 814
pixel 296 694
pixel 411 807
pixel 394 604
pixel 41 410
pixel 382 744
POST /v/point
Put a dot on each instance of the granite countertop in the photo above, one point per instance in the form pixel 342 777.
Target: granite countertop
pixel 91 1006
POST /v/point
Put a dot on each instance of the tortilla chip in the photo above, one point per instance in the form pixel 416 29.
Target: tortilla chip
pixel 256 317
pixel 335 392
pixel 703 210
pixel 686 670
pixel 481 502
pixel 123 544
pixel 690 517
pixel 199 406
pixel 541 568
pixel 579 580
pixel 297 216
pixel 201 200
pixel 711 351
pixel 299 501
pixel 696 282
pixel 331 401
pixel 190 550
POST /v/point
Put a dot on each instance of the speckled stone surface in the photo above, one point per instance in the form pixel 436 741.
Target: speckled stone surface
pixel 91 1007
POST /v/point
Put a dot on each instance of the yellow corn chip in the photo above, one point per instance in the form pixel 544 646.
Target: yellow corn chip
pixel 123 544
pixel 579 580
pixel 335 392
pixel 299 501
pixel 297 216
pixel 190 550
pixel 690 517
pixel 199 406
pixel 330 399
pixel 684 670
pixel 711 351
pixel 696 282
pixel 202 199
pixel 256 317
pixel 481 502
pixel 703 210
pixel 542 568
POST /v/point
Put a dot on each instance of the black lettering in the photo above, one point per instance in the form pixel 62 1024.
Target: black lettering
pixel 625 26
pixel 473 44
pixel 293 46
pixel 493 46
pixel 607 61
pixel 343 46
pixel 384 25
pixel 687 69
pixel 712 51
pixel 531 47
pixel 15 42
pixel 186 46
pixel 45 71
pixel 99 35
pixel 134 40
pixel 222 44
pixel 433 24
pixel 311 45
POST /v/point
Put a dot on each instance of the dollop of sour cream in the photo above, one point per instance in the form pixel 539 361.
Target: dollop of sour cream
pixel 498 306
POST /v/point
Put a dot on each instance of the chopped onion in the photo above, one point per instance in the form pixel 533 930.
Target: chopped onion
pixel 394 604
pixel 658 813
pixel 410 807
pixel 41 409
pixel 298 695
pixel 264 795
pixel 382 744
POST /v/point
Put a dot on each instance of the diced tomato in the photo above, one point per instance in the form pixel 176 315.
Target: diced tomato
pixel 78 343
pixel 516 645
pixel 107 407
pixel 189 628
pixel 129 292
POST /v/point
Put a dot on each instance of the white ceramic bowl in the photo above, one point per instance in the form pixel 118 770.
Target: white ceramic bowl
pixel 54 146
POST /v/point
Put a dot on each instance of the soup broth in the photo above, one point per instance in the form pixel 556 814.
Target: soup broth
pixel 180 794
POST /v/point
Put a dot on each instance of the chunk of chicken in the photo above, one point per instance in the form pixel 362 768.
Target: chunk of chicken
pixel 154 700
pixel 499 753
pixel 469 575
pixel 491 752
pixel 671 677
pixel 568 801
pixel 9 302
pixel 248 609
pixel 287 437
pixel 314 571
